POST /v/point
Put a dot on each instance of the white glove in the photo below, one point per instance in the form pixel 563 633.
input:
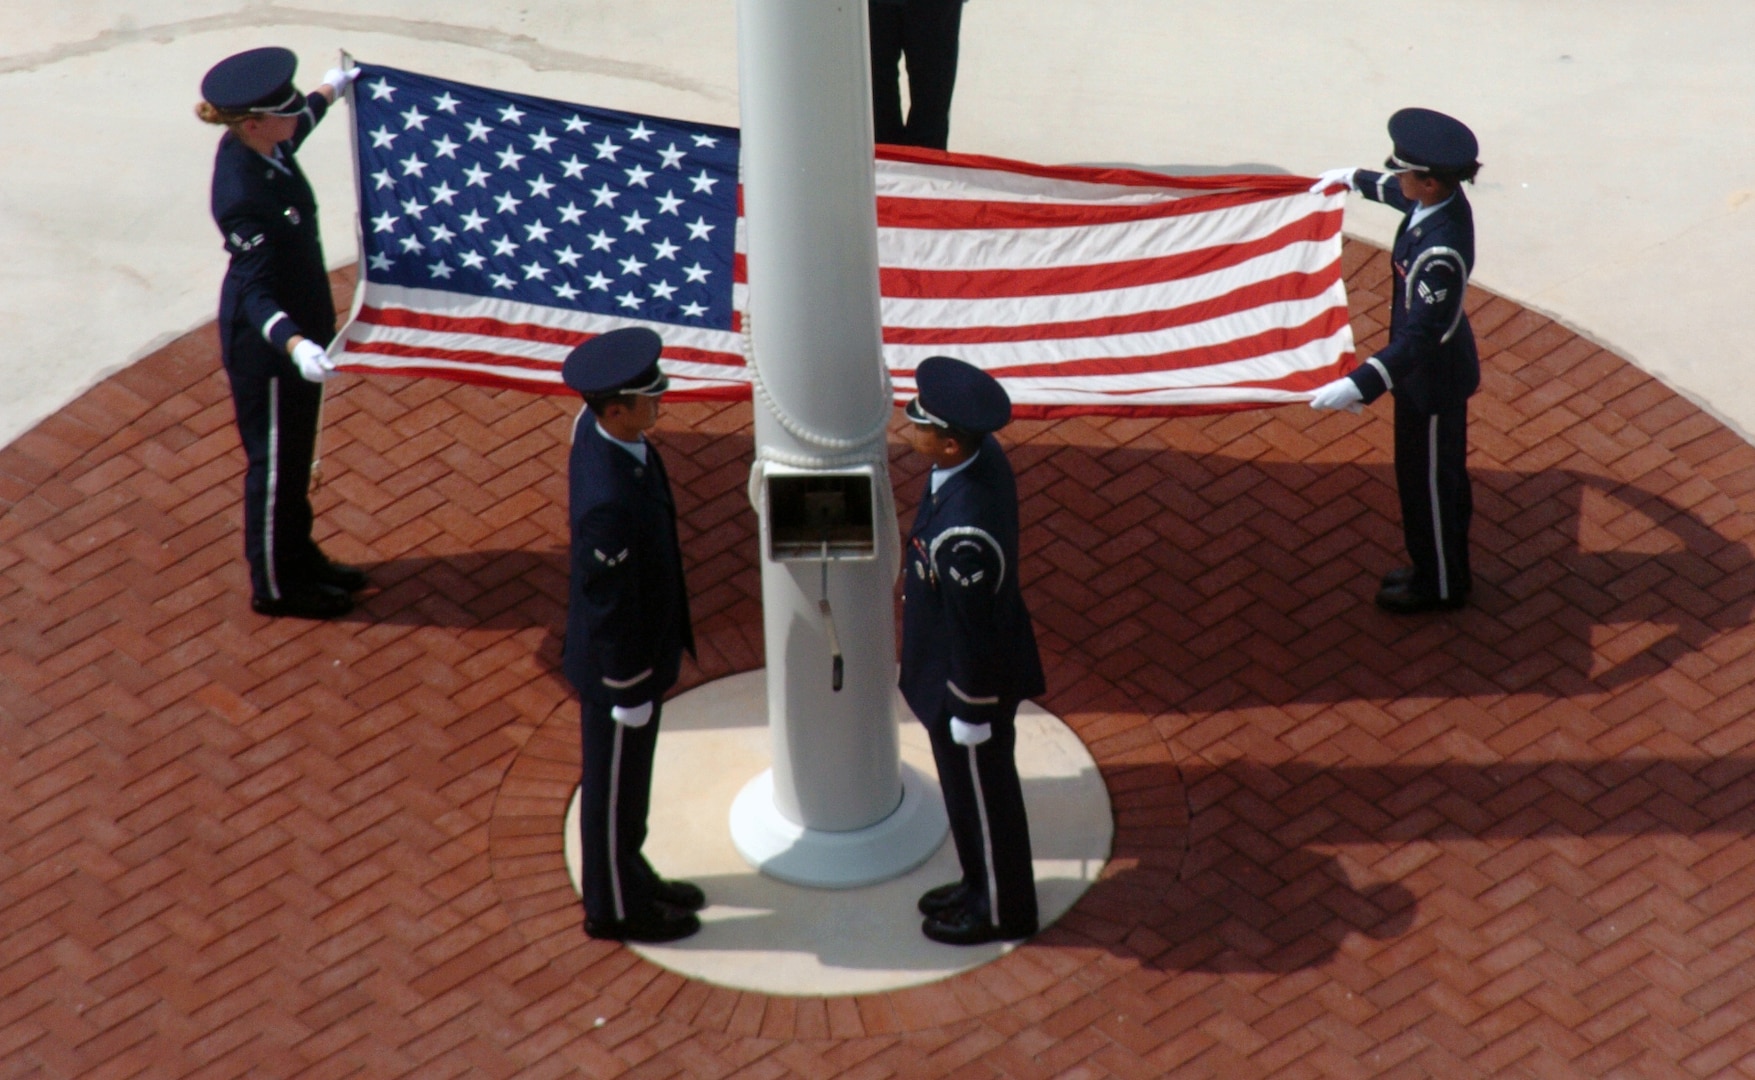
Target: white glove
pixel 313 363
pixel 632 715
pixel 340 78
pixel 967 734
pixel 1341 394
pixel 1332 177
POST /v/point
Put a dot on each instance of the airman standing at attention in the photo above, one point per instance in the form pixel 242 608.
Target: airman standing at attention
pixel 276 319
pixel 969 652
pixel 627 627
pixel 1430 364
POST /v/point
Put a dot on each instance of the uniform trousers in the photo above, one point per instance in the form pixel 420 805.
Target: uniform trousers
pixel 277 419
pixel 615 793
pixel 985 802
pixel 1431 475
pixel 926 32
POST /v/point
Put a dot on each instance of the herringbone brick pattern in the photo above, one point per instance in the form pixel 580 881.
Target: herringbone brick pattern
pixel 1514 841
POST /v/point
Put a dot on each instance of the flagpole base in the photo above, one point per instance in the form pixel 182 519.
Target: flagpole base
pixel 789 852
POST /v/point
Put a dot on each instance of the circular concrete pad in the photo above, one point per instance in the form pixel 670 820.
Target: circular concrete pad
pixel 766 935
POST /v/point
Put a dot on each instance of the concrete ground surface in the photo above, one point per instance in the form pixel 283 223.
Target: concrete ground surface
pixel 1617 134
pixel 1511 841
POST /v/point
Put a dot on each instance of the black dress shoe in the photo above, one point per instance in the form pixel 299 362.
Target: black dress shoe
pixel 944 900
pixel 684 895
pixel 1401 575
pixel 1405 600
pixel 968 928
pixel 660 924
pixel 342 576
pixel 305 602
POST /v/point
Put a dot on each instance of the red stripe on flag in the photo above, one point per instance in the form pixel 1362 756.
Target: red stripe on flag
pixel 904 212
pixel 405 319
pixel 1287 287
pixel 1087 174
pixel 1277 340
pixel 899 283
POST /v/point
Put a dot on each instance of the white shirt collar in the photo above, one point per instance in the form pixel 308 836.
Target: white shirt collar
pixel 274 159
pixel 1421 213
pixel 939 476
pixel 638 449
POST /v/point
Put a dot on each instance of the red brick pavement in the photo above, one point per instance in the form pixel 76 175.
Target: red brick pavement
pixel 1512 841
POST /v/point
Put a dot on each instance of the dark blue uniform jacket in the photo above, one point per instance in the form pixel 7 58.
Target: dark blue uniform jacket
pixel 1430 362
pixel 627 606
pixel 968 649
pixel 276 282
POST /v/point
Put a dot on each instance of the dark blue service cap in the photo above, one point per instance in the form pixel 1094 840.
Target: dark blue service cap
pixel 258 81
pixel 1430 141
pixel 952 393
pixel 622 361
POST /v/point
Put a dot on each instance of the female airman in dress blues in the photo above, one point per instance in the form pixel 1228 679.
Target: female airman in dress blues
pixel 627 627
pixel 275 320
pixel 1430 365
pixel 969 652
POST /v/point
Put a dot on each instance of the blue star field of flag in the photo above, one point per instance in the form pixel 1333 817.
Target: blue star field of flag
pixel 503 195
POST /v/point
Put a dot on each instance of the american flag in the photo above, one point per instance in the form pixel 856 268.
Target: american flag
pixel 500 230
